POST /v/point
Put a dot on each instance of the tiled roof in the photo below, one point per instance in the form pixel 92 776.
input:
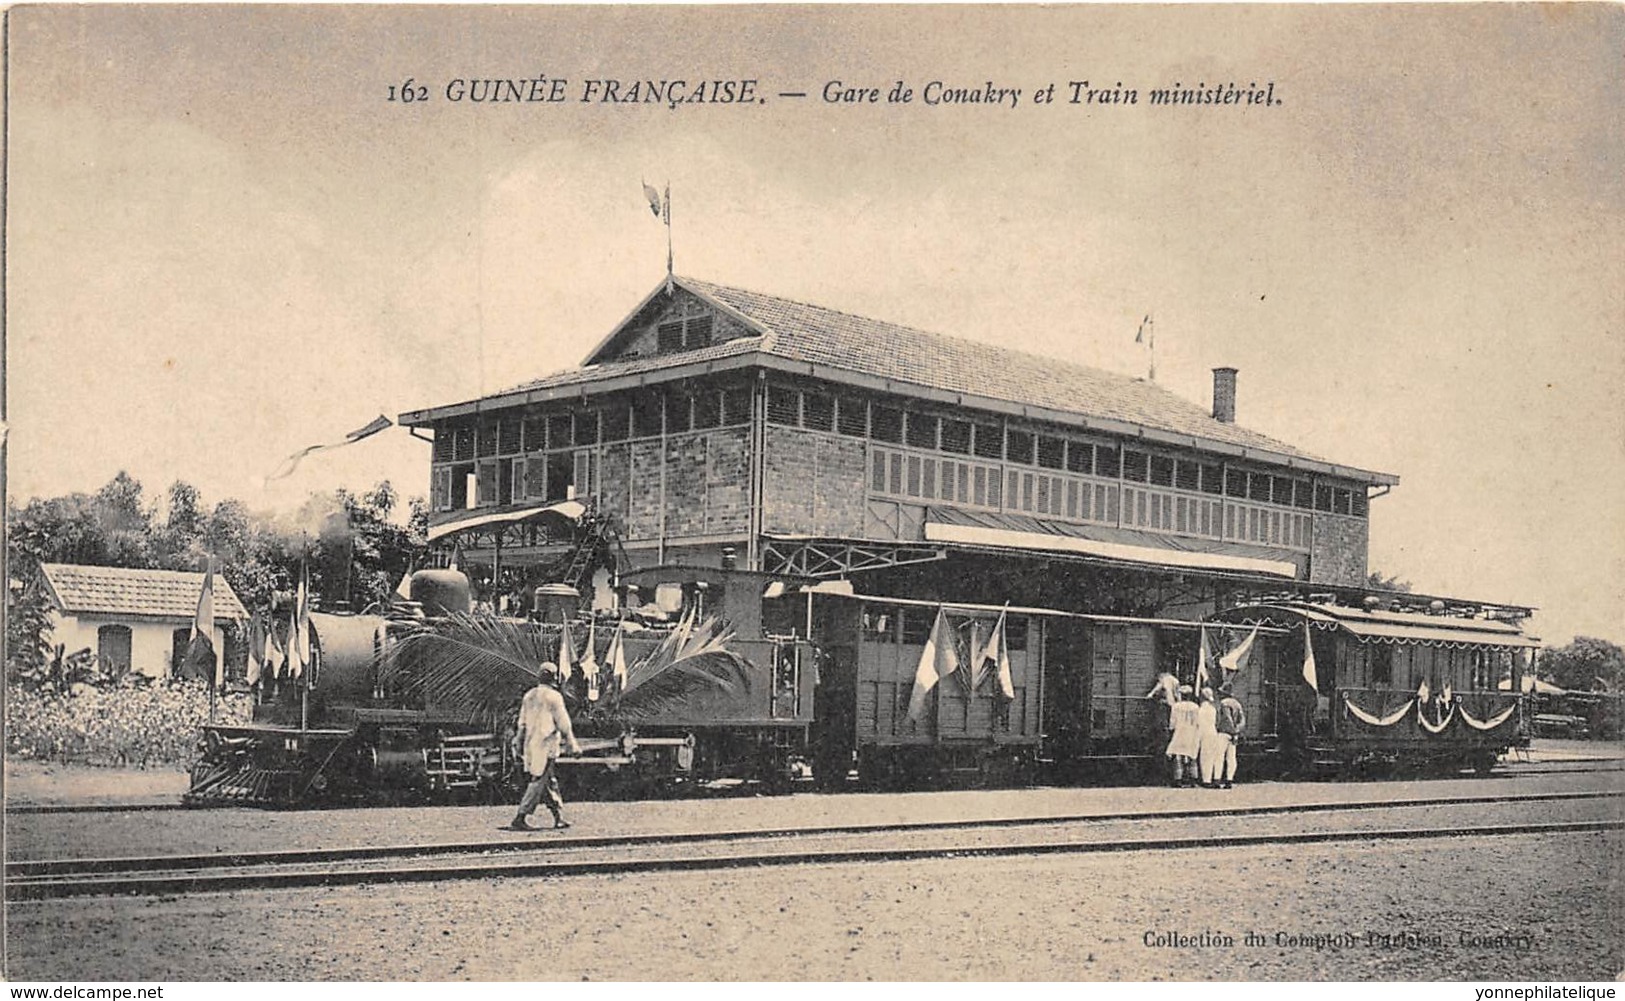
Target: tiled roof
pixel 111 591
pixel 808 333
pixel 633 366
pixel 802 333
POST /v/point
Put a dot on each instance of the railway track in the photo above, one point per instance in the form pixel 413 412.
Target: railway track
pixel 1512 772
pixel 631 853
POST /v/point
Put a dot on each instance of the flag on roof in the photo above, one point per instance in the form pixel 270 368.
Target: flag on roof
pixel 938 660
pixel 653 196
pixel 291 463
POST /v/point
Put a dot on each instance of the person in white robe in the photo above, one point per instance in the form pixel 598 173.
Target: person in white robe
pixel 1184 744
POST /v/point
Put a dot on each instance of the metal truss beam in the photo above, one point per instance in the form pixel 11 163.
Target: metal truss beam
pixel 830 558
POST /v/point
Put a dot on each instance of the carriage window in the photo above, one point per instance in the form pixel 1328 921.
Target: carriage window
pixel 1382 664
pixel 879 625
pixel 1015 632
pixel 917 624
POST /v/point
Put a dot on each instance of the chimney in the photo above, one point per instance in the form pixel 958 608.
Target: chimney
pixel 1224 395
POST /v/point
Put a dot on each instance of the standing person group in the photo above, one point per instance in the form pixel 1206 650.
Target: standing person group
pixel 544 724
pixel 1202 745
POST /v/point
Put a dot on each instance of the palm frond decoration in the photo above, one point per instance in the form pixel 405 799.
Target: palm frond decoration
pixel 476 666
pixel 479 666
pixel 690 661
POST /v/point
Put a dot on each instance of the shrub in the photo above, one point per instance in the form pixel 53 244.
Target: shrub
pixel 151 727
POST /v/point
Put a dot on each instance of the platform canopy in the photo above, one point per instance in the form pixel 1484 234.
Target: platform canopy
pixel 1376 626
pixel 1005 531
pixel 479 520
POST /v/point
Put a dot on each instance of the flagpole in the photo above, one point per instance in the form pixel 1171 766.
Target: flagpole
pixel 670 273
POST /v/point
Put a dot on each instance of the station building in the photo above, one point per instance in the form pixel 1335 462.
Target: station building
pixel 718 426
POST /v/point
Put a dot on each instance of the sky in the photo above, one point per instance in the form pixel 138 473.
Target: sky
pixel 224 243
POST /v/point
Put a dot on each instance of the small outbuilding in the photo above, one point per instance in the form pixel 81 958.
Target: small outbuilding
pixel 140 620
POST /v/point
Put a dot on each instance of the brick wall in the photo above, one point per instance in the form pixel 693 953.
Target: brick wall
pixel 707 476
pixel 1338 552
pixel 813 483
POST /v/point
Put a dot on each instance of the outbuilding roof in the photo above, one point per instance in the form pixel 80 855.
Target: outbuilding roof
pixel 121 591
pixel 799 336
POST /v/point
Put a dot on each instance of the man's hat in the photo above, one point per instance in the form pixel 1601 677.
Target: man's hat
pixel 1186 689
pixel 549 671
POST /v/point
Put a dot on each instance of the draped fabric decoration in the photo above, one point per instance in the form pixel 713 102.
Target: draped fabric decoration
pixel 1388 720
pixel 256 649
pixel 1310 676
pixel 996 655
pixel 617 661
pixel 567 655
pixel 1492 722
pixel 589 662
pixel 937 660
pixel 1422 718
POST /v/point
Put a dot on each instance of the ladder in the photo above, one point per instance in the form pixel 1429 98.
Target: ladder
pixel 595 530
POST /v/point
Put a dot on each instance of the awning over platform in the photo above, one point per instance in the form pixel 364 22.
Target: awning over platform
pixel 1393 627
pixel 1014 536
pixel 569 512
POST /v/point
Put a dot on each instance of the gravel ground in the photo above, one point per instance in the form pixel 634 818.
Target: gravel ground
pixel 223 830
pixel 1539 908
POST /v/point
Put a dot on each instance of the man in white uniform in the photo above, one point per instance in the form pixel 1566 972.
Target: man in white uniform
pixel 1211 743
pixel 543 723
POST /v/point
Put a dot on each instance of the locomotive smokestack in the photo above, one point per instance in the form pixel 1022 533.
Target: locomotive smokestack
pixel 1224 395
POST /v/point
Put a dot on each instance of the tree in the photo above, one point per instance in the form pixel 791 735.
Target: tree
pixel 1377 582
pixel 28 630
pixel 1580 665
